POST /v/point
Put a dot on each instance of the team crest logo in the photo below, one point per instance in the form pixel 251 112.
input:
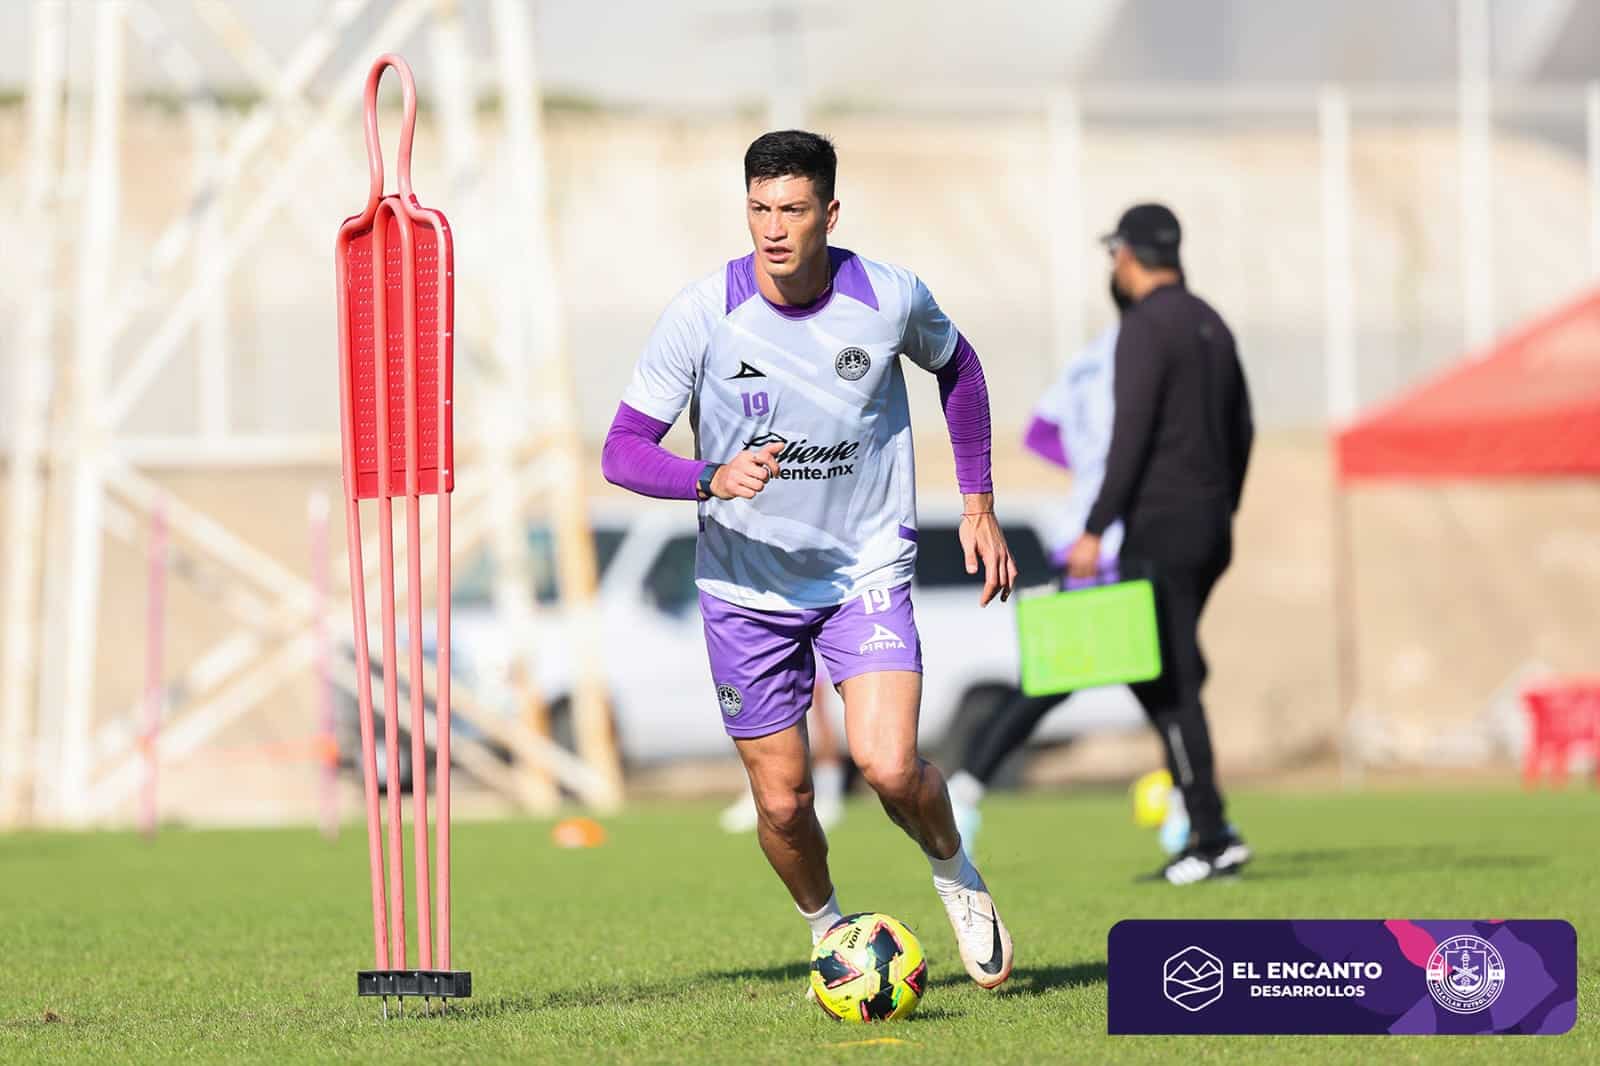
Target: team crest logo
pixel 852 364
pixel 1192 978
pixel 1465 974
pixel 732 703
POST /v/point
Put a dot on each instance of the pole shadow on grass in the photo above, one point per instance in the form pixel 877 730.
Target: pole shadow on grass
pixel 1038 980
pixel 1027 981
pixel 598 994
pixel 591 995
pixel 788 971
pixel 1379 859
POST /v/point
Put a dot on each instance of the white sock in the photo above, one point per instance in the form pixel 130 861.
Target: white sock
pixel 965 789
pixel 828 780
pixel 955 873
pixel 823 919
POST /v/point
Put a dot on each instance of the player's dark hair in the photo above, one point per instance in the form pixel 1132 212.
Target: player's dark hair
pixel 793 154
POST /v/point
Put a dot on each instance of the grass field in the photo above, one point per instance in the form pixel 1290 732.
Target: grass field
pixel 674 943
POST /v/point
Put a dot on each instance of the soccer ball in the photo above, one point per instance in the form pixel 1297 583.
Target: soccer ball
pixel 869 968
pixel 1151 794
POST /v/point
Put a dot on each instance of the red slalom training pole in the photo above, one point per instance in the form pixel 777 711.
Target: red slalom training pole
pixel 396 290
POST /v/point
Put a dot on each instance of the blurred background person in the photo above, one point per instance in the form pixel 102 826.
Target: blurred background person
pixel 1180 444
pixel 1070 429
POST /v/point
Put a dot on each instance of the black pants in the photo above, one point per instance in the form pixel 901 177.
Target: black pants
pixel 1187 554
pixel 1006 730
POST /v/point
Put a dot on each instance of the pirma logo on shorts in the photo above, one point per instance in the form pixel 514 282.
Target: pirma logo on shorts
pixel 881 640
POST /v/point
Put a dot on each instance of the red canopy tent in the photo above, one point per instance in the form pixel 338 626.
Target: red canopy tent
pixel 1528 407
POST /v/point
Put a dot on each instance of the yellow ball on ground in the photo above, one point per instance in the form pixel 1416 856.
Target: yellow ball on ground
pixel 1150 796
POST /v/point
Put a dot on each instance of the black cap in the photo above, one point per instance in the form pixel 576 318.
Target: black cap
pixel 1149 226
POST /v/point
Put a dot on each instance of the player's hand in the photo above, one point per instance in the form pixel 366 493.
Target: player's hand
pixel 1084 558
pixel 747 473
pixel 981 539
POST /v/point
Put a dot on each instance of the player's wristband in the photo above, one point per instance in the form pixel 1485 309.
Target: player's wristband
pixel 703 485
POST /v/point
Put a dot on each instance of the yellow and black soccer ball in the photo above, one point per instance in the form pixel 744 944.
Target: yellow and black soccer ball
pixel 869 968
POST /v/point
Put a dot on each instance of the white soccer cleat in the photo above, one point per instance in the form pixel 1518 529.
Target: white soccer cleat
pixel 983 938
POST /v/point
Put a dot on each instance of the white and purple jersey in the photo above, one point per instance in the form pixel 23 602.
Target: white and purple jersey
pixel 827 383
pixel 1072 428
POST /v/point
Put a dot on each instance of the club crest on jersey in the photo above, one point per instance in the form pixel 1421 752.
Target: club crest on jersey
pixel 730 700
pixel 852 364
pixel 882 639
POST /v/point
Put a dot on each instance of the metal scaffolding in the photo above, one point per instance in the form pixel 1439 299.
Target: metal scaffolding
pixel 63 760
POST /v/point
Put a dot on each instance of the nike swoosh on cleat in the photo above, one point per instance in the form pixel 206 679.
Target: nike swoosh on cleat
pixel 997 956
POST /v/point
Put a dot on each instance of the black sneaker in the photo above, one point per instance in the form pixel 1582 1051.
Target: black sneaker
pixel 1205 862
pixel 1234 854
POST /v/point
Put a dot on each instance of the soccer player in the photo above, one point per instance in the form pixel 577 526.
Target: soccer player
pixel 791 362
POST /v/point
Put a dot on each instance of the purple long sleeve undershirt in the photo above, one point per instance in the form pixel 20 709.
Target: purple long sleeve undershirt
pixel 965 398
pixel 1044 440
pixel 634 459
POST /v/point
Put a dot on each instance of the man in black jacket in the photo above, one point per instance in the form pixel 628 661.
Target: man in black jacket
pixel 1180 443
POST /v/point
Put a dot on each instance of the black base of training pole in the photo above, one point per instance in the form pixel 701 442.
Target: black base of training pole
pixel 443 984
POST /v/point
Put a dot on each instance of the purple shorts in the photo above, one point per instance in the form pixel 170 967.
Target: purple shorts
pixel 762 661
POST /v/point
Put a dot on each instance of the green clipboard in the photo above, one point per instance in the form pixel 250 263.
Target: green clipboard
pixel 1087 637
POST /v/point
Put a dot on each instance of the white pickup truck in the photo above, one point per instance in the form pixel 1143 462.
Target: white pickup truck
pixel 653 650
